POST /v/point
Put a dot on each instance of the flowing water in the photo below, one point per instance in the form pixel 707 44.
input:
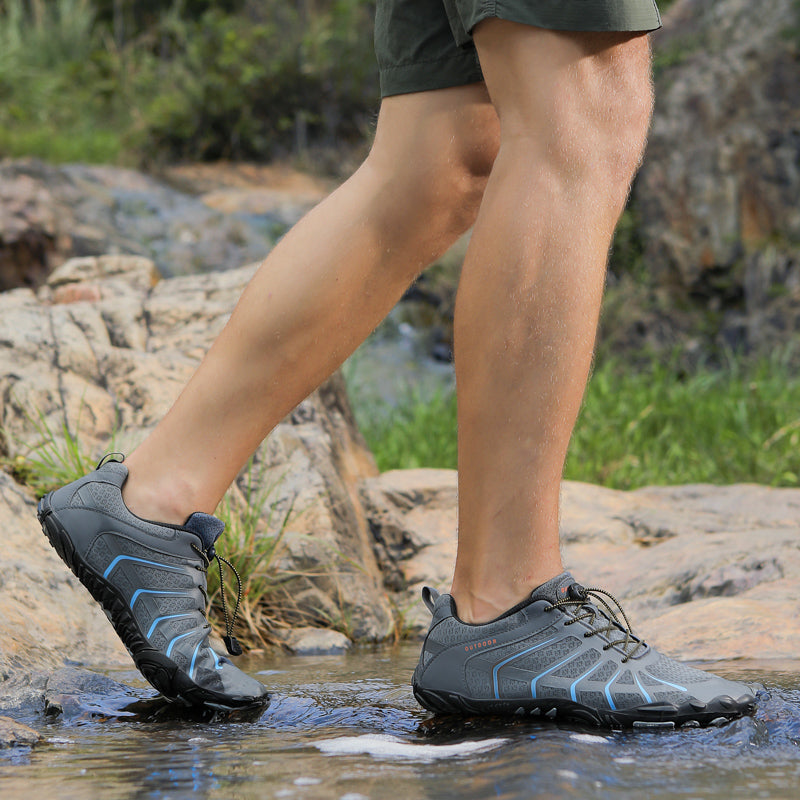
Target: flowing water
pixel 348 728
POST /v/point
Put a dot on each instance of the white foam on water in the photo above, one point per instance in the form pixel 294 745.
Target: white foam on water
pixel 588 737
pixel 385 746
pixel 303 781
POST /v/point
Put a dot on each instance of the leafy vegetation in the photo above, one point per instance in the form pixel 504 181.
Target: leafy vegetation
pixel 148 81
pixel 652 425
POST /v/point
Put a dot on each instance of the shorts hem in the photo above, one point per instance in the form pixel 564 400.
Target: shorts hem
pixel 423 76
pixel 614 17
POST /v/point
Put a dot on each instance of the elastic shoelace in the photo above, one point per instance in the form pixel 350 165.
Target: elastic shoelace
pixel 615 625
pixel 231 642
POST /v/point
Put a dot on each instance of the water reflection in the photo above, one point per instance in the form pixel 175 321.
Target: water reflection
pixel 348 727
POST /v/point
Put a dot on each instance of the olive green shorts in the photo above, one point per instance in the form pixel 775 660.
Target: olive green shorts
pixel 427 44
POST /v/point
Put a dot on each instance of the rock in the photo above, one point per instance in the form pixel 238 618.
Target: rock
pixel 29 231
pixel 15 734
pixel 316 642
pixel 79 694
pixel 412 517
pixel 717 192
pixel 700 569
pixel 22 692
pixel 50 213
pixel 70 693
pixel 45 614
pixel 97 374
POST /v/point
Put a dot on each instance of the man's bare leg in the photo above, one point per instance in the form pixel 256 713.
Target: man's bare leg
pixel 318 295
pixel 574 110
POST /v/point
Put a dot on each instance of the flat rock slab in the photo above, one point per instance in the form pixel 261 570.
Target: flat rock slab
pixel 705 572
pixel 316 642
pixel 15 734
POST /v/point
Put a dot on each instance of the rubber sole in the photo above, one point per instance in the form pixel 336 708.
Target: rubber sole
pixel 161 672
pixel 692 714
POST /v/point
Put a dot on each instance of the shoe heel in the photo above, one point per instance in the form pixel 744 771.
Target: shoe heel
pixel 57 537
pixel 44 508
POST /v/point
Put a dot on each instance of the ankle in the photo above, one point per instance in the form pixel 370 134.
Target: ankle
pixel 478 603
pixel 169 500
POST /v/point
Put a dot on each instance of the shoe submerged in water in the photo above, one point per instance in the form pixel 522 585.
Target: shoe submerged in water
pixel 565 654
pixel 150 579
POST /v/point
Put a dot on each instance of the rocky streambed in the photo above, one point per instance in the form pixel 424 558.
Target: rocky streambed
pixel 99 342
pixel 105 345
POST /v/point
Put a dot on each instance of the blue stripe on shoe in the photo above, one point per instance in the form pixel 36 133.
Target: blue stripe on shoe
pixel 194 658
pixel 607 688
pixel 547 672
pixel 116 561
pixel 170 616
pixel 178 638
pixel 642 689
pixel 511 658
pixel 673 685
pixel 577 680
pixel 156 591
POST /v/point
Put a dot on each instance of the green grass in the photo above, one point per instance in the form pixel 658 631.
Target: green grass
pixel 649 426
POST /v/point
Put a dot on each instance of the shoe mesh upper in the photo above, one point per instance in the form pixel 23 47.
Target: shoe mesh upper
pixel 625 679
pixel 670 697
pixel 593 699
pixel 511 688
pixel 478 681
pixel 451 631
pixel 174 605
pixel 604 672
pixel 627 699
pixel 578 665
pixel 540 660
pixel 669 670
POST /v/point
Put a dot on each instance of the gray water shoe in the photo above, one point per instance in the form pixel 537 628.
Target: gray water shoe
pixel 565 653
pixel 150 579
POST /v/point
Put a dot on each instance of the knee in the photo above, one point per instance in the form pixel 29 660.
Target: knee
pixel 436 175
pixel 609 119
pixel 588 125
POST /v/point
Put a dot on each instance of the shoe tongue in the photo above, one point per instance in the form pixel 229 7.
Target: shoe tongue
pixel 207 527
pixel 555 589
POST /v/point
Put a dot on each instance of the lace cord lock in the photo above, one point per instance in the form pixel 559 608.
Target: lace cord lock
pixel 232 645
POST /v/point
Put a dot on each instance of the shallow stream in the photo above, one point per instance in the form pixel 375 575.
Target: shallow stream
pixel 348 728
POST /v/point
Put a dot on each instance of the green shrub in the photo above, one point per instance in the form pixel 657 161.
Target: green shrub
pixel 196 81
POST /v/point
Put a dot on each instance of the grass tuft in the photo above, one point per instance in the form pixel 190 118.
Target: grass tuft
pixel 251 542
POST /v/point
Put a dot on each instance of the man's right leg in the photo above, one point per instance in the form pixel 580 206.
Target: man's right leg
pixel 315 298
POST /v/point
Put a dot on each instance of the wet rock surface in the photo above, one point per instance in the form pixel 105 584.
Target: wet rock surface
pixel 16 734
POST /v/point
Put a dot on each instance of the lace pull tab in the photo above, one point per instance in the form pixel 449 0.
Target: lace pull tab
pixel 118 457
pixel 429 597
pixel 232 645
